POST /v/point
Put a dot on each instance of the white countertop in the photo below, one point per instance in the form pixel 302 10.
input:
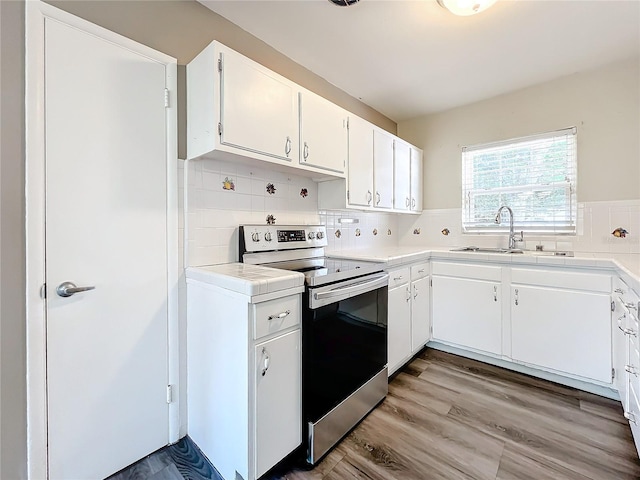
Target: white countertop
pixel 247 279
pixel 628 265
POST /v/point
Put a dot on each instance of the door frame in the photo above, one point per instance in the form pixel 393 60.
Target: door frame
pixel 35 197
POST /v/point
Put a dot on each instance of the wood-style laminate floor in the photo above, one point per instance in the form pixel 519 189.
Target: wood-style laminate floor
pixel 447 417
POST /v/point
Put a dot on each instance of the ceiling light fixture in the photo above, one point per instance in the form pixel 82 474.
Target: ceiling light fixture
pixel 344 3
pixel 465 8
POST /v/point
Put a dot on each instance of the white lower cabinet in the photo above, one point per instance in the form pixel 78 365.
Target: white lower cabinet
pixel 409 313
pixel 466 306
pixel 561 321
pixel 398 319
pixel 278 416
pixel 626 353
pixel 420 308
pixel 566 331
pixel 244 385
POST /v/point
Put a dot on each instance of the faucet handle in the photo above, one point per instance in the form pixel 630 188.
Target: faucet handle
pixel 521 239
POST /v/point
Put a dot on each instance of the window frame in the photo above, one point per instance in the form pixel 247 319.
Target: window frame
pixel 470 194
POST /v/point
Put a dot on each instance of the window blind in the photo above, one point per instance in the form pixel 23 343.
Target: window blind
pixel 534 175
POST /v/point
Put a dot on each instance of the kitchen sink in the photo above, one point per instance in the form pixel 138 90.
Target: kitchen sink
pixel 549 253
pixel 487 250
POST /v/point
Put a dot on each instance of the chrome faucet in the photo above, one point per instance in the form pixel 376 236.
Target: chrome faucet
pixel 512 235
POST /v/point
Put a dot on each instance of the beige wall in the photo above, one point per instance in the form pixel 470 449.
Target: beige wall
pixel 183 28
pixel 13 422
pixel 604 104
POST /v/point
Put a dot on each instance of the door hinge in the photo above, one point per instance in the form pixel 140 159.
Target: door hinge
pixel 347 123
pixel 166 98
pixel 43 291
pixel 169 393
pixel 613 374
pixel 613 306
pixel 220 65
pixel 348 195
pixel 431 282
pixel 219 128
pixel 430 329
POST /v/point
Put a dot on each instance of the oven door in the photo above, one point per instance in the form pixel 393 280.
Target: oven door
pixel 344 341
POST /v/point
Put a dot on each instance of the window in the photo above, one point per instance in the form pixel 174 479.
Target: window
pixel 535 176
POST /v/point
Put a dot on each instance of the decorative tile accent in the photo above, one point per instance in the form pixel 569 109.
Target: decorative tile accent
pixel 620 232
pixel 271 189
pixel 375 231
pixel 416 231
pixel 304 193
pixel 445 231
pixel 271 220
pixel 357 232
pixel 228 184
pixel 338 233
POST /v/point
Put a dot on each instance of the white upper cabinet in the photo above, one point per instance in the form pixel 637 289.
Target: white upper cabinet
pixel 235 105
pixel 360 166
pixel 416 180
pixel 258 109
pixel 382 169
pixel 401 175
pixel 323 133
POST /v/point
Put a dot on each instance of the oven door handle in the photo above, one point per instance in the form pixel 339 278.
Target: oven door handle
pixel 362 287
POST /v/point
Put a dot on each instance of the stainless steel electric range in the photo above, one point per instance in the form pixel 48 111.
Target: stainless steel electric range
pixel 344 329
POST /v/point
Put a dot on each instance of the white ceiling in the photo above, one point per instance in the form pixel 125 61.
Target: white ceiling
pixel 409 58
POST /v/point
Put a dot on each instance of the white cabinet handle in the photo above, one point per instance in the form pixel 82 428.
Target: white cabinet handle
pixel 516 296
pixel 631 369
pixel 305 151
pixel 495 293
pixel 421 270
pixel 408 294
pixel 630 306
pixel 287 146
pixel 377 198
pixel 407 202
pixel 266 360
pixel 415 291
pixel 369 197
pixel 399 277
pixel 413 203
pixel 279 316
pixel 618 290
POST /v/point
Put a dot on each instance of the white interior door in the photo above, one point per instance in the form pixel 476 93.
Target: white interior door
pixel 106 226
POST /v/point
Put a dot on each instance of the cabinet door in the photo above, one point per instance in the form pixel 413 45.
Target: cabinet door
pixel 323 133
pixel 416 180
pixel 399 327
pixel 382 169
pixel 278 411
pixel 467 312
pixel 401 175
pixel 258 109
pixel 567 331
pixel 360 177
pixel 620 351
pixel 420 310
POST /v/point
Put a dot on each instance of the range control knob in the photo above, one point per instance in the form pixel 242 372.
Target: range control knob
pixel 255 236
pixel 312 235
pixel 320 235
pixel 267 236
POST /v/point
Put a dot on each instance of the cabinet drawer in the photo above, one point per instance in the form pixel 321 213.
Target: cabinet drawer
pixel 592 282
pixel 399 277
pixel 275 315
pixel 419 271
pixel 469 271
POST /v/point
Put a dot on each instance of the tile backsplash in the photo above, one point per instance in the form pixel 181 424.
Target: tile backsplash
pixel 223 195
pixel 596 221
